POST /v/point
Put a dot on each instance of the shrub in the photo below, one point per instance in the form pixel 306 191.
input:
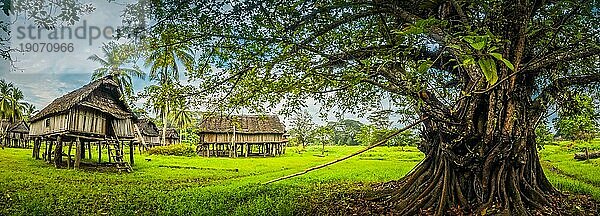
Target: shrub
pixel 176 150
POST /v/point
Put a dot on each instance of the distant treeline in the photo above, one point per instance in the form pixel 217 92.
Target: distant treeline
pixel 346 132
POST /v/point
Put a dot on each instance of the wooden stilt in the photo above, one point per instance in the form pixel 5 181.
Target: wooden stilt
pixel 99 152
pixel 46 150
pixel 69 155
pixel 82 146
pixel 33 151
pixel 207 146
pixel 89 147
pixel 58 152
pixel 108 152
pixel 131 151
pixel 78 153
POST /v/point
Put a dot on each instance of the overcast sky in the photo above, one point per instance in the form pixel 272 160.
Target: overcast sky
pixel 44 76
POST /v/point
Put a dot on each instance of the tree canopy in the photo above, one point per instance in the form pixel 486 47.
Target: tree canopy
pixel 480 74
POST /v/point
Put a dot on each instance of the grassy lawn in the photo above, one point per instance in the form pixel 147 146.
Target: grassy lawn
pixel 206 185
pixel 212 186
pixel 568 174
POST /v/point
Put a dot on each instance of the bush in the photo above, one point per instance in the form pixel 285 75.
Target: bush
pixel 176 150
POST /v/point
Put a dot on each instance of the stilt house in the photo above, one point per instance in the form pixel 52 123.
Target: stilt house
pixel 241 135
pixel 171 136
pixel 148 133
pixel 92 113
pixel 15 134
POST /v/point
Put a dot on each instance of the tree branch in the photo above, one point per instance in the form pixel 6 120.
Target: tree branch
pixel 566 56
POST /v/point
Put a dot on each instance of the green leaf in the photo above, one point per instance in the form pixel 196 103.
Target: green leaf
pixel 469 60
pixel 478 45
pixel 488 66
pixel 424 66
pixel 506 62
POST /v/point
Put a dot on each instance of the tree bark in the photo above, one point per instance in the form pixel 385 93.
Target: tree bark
pixel 482 155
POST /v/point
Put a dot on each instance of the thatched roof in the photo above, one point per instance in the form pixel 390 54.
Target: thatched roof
pixel 148 128
pixel 243 123
pixel 102 94
pixel 171 133
pixel 16 127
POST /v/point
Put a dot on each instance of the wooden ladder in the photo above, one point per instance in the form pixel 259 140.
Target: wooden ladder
pixel 116 153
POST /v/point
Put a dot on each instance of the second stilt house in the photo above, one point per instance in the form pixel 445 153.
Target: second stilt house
pixel 241 135
pixel 15 134
pixel 147 133
pixel 94 113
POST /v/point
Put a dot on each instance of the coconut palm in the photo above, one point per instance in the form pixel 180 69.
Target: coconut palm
pixel 163 62
pixel 166 54
pixel 11 105
pixel 115 61
pixel 160 100
pixel 181 115
pixel 28 111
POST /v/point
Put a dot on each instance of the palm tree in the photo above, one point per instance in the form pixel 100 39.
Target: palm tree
pixel 116 57
pixel 165 56
pixel 163 62
pixel 181 115
pixel 28 111
pixel 11 105
pixel 160 100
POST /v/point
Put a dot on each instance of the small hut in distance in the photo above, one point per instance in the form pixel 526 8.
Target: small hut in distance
pixel 147 133
pixel 241 135
pixel 15 134
pixel 150 135
pixel 171 136
pixel 92 113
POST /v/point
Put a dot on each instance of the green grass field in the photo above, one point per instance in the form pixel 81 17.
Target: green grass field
pixel 217 186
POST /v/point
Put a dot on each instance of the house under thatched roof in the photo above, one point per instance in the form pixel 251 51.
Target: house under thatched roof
pixel 147 127
pixel 96 109
pixel 171 136
pixel 253 124
pixel 241 135
pixel 19 127
pixel 16 134
pixel 149 131
pixel 85 97
pixel 95 112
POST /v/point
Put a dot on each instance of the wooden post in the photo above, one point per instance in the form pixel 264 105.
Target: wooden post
pixel 99 152
pixel 89 147
pixel 69 153
pixel 264 147
pixel 108 151
pixel 58 152
pixel 46 151
pixel 131 150
pixel 82 146
pixel 33 152
pixel 247 149
pixel 78 152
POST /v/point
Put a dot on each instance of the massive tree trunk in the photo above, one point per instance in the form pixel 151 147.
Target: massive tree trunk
pixel 480 155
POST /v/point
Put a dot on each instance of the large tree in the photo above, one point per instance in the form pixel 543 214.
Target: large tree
pixel 118 61
pixel 480 74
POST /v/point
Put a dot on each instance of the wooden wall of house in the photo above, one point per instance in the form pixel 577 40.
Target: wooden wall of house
pixel 151 140
pixel 123 127
pixel 14 135
pixel 82 120
pixel 240 138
